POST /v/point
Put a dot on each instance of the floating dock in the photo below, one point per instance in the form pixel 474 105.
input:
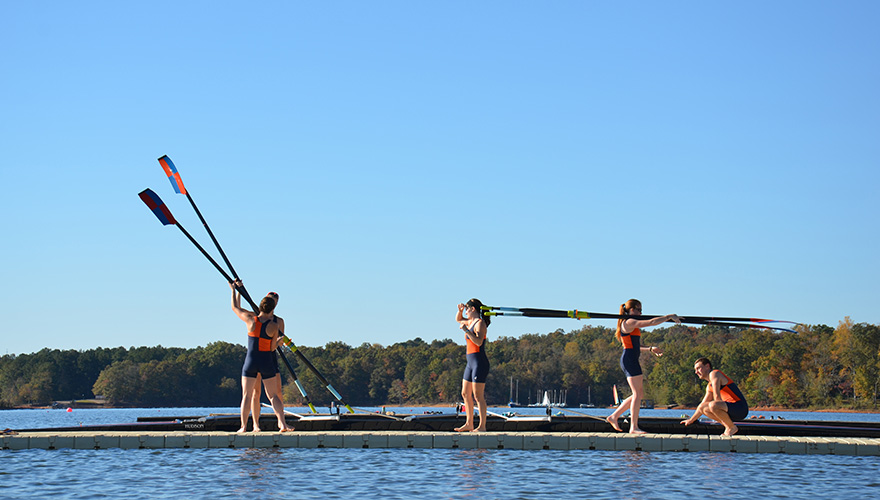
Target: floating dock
pixel 99 440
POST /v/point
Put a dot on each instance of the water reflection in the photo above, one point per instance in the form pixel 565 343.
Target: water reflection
pixel 425 473
pixel 475 472
pixel 635 473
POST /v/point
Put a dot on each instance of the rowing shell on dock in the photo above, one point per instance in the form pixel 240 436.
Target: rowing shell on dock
pixel 495 423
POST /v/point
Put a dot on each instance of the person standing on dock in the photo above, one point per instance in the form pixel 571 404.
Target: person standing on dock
pixel 473 385
pixel 629 334
pixel 724 402
pixel 264 330
pixel 256 403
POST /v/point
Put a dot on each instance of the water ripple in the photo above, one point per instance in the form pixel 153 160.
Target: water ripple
pixel 428 473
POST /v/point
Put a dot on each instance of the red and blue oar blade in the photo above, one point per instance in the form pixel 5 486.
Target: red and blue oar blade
pixel 164 215
pixel 158 207
pixel 173 174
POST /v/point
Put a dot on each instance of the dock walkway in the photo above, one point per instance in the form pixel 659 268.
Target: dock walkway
pixel 442 440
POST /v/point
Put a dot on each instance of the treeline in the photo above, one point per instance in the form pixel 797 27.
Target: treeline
pixel 819 366
pixel 146 376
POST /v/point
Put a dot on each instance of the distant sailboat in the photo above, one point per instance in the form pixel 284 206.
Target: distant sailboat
pixel 589 398
pixel 558 400
pixel 514 403
pixel 614 394
pixel 545 403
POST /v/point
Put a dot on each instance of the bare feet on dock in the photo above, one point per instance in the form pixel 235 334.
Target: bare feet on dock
pixel 257 429
pixel 287 429
pixel 464 428
pixel 241 431
pixel 613 423
pixel 637 431
pixel 478 430
pixel 730 432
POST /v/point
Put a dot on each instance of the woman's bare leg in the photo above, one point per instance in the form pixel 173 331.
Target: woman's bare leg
pixel 467 392
pixel 636 384
pixel 247 394
pixel 480 396
pixel 273 388
pixel 614 417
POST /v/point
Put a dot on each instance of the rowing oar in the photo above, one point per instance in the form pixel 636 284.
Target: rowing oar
pixel 164 215
pixel 576 314
pixel 177 184
pixel 161 211
pixel 179 188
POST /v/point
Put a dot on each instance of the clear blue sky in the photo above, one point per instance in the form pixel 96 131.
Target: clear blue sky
pixel 376 163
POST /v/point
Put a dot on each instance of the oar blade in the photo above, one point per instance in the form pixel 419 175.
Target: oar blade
pixel 158 207
pixel 173 174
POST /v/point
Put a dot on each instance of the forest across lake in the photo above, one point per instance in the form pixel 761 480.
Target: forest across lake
pixel 816 367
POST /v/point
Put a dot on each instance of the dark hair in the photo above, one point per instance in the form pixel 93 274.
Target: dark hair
pixel 267 305
pixel 704 361
pixel 479 306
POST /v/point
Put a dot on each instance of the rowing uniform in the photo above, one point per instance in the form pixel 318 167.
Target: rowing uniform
pixel 737 407
pixel 632 347
pixel 477 368
pixel 260 356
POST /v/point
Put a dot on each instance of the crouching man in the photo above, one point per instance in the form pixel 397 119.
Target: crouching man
pixel 723 402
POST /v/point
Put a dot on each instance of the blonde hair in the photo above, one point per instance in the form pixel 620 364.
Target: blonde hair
pixel 624 310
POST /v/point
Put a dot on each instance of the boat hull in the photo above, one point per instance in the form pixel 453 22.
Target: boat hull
pixel 495 423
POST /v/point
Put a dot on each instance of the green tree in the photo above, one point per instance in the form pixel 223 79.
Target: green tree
pixel 119 382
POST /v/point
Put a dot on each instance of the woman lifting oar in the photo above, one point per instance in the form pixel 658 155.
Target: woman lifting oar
pixel 264 330
pixel 629 334
pixel 473 385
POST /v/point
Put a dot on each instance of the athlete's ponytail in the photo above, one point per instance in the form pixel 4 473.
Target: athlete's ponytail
pixel 475 303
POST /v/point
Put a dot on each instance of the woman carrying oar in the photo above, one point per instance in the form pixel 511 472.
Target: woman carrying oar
pixel 264 330
pixel 473 384
pixel 256 403
pixel 629 334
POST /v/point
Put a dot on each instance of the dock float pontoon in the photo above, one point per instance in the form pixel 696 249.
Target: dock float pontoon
pixel 92 440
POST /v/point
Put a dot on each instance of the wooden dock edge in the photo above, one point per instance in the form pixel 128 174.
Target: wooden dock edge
pixel 443 440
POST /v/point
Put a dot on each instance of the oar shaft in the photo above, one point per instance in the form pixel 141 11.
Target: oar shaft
pixel 244 292
pixel 746 325
pixel 576 314
pixel 211 234
pixel 290 345
pixel 205 253
pixel 160 210
pixel 302 389
pixel 177 183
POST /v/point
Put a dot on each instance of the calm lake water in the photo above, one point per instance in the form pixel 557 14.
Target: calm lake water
pixel 406 473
